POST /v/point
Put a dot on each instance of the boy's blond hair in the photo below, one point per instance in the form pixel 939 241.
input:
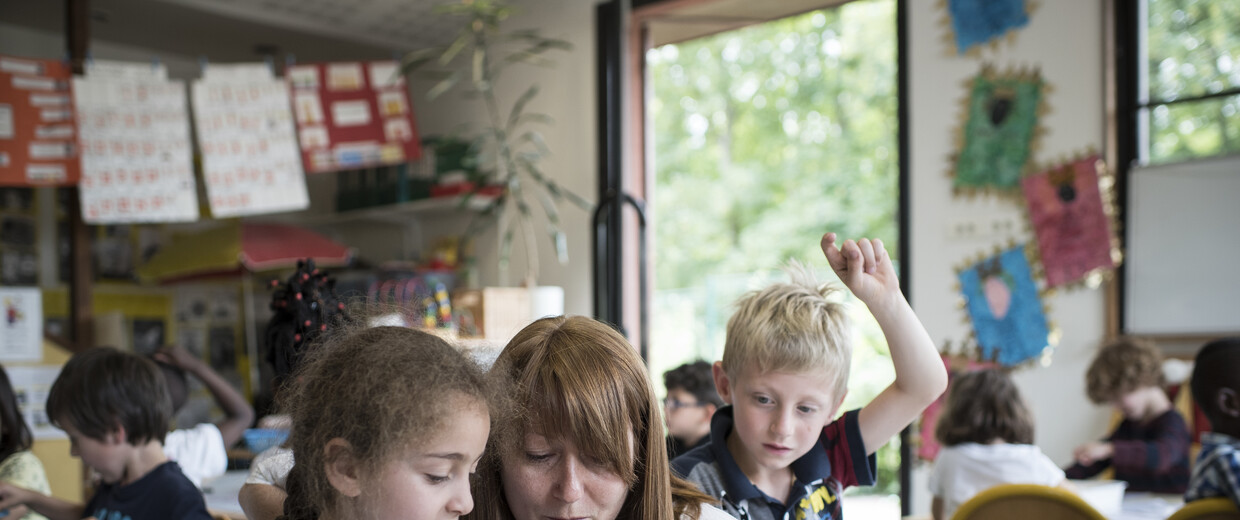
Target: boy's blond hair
pixel 790 327
pixel 1122 366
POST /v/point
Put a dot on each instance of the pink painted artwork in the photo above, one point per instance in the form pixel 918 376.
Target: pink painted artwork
pixel 1068 216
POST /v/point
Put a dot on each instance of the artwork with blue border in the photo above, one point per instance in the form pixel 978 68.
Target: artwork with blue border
pixel 976 22
pixel 1003 303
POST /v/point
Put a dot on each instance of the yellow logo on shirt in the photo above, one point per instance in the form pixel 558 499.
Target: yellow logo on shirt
pixel 815 503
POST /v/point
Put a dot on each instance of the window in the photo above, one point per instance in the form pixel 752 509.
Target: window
pixel 1188 97
pixel 762 138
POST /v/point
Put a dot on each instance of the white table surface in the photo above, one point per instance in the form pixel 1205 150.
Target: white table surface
pixel 221 493
pixel 1148 506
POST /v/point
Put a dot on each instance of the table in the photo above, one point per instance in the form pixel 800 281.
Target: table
pixel 221 494
pixel 1148 506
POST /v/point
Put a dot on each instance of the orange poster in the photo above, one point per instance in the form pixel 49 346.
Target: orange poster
pixel 38 134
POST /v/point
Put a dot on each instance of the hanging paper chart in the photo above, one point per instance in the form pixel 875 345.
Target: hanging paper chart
pixel 999 131
pixel 137 162
pixel 353 115
pixel 1071 220
pixel 38 134
pixel 1002 301
pixel 250 159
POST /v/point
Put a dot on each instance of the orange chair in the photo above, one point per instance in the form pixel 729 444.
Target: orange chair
pixel 1026 501
pixel 1208 509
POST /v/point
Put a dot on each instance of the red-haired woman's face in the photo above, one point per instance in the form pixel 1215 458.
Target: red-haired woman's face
pixel 550 479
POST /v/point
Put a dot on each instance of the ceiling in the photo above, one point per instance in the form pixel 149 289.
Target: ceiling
pixel 237 30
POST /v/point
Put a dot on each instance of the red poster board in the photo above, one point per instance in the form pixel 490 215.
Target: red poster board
pixel 38 134
pixel 352 115
pixel 1070 219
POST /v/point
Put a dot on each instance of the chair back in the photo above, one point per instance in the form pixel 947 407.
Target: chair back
pixel 1026 501
pixel 1208 509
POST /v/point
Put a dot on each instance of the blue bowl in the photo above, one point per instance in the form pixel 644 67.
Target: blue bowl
pixel 259 440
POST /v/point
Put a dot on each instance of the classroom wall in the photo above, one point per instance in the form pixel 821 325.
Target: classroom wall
pixel 568 95
pixel 1064 38
pixel 33 43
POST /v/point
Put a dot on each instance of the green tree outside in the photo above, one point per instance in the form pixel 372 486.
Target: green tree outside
pixel 1193 49
pixel 765 138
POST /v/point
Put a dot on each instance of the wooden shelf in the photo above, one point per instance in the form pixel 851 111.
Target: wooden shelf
pixel 390 213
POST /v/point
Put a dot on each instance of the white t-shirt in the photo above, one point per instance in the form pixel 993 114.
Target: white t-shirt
pixel 964 470
pixel 271 467
pixel 199 451
pixel 710 512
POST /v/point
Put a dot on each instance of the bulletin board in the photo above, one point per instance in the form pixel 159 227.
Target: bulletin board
pixel 353 115
pixel 1182 246
pixel 38 134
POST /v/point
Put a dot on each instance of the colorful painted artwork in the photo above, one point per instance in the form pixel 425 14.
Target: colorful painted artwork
pixel 1069 217
pixel 1006 310
pixel 1000 130
pixel 977 22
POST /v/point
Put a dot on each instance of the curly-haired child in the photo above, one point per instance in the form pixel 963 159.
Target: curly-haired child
pixel 388 422
pixel 1149 448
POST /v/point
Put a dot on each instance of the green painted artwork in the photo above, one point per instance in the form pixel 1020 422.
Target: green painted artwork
pixel 1000 130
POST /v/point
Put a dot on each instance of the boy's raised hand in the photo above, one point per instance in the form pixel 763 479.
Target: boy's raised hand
pixel 176 356
pixel 865 267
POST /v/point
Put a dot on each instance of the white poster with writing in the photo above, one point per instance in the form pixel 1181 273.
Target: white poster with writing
pixel 137 162
pixel 21 324
pixel 31 386
pixel 250 159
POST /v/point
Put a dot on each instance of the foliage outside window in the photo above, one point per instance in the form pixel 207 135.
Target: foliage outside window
pixel 764 138
pixel 1190 94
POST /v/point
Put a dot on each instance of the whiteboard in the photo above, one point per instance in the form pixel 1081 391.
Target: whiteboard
pixel 1183 248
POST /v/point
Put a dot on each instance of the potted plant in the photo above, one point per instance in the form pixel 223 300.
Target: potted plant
pixel 509 148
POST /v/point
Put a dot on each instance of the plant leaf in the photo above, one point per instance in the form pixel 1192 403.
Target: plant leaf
pixel 414 60
pixel 535 117
pixel 519 106
pixel 560 240
pixel 480 59
pixel 505 248
pixel 454 49
pixel 535 138
pixel 444 85
pixel 554 189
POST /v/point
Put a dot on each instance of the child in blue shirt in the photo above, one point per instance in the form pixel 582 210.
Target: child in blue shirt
pixel 115 408
pixel 778 451
pixel 1216 388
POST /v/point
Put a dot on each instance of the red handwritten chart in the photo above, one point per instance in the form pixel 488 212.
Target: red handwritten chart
pixel 136 157
pixel 37 130
pixel 250 159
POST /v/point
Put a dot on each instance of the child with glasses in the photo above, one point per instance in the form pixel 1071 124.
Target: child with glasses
pixel 690 403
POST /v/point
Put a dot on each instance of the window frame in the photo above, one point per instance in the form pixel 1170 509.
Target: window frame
pixel 1128 105
pixel 619 236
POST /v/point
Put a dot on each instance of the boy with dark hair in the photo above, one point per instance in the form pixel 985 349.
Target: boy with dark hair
pixel 115 408
pixel 1149 449
pixel 1216 389
pixel 691 401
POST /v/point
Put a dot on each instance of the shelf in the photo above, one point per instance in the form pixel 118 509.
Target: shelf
pixel 390 213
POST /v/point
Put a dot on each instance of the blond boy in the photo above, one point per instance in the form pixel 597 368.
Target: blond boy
pixel 778 451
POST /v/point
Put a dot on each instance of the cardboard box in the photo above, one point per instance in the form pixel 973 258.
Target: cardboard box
pixel 498 312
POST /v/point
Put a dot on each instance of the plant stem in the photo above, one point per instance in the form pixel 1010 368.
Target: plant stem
pixel 505 165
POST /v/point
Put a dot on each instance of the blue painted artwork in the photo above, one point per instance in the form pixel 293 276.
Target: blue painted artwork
pixel 976 22
pixel 1003 303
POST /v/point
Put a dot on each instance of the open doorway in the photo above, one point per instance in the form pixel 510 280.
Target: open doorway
pixel 758 140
